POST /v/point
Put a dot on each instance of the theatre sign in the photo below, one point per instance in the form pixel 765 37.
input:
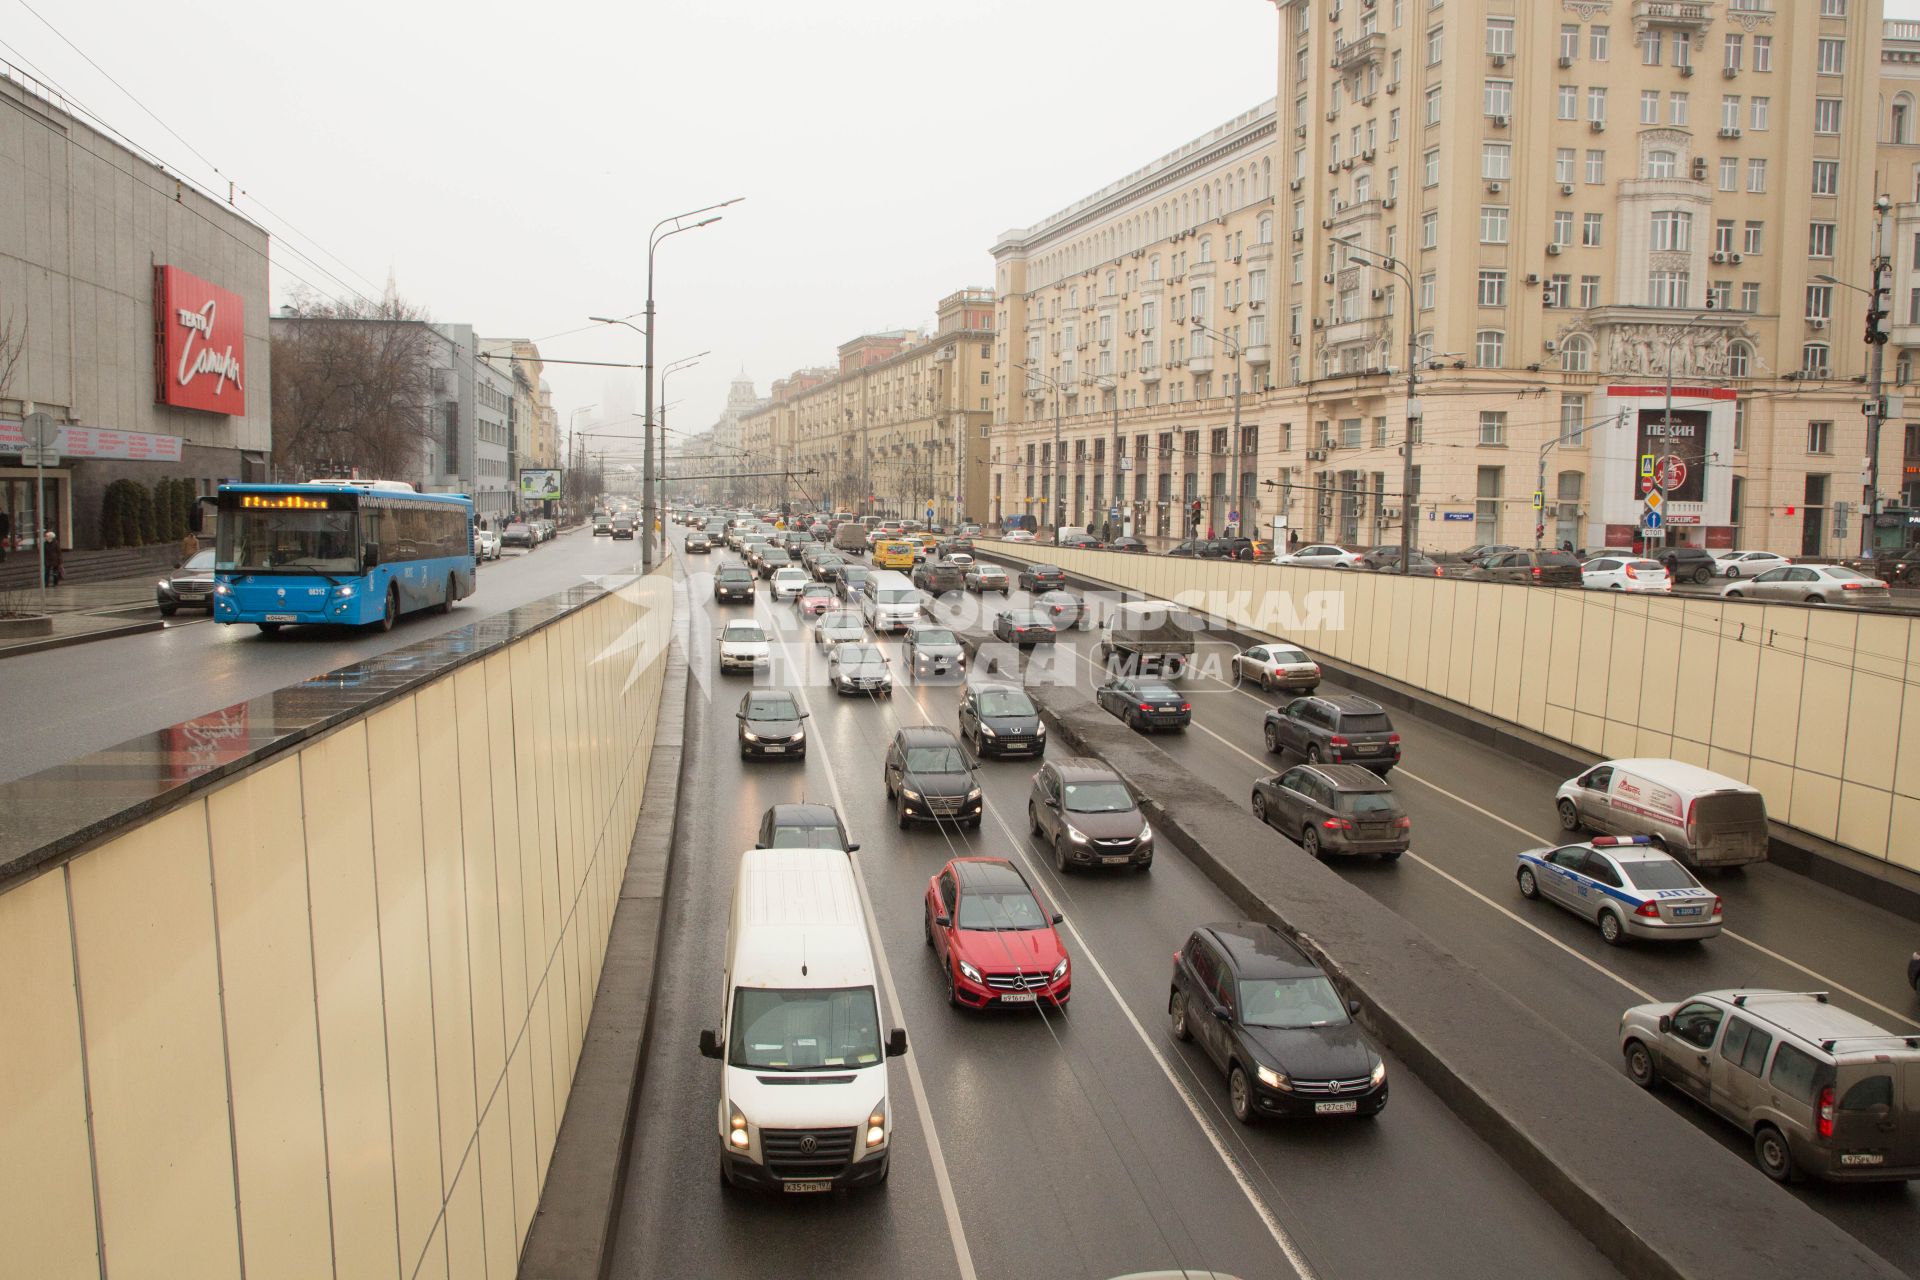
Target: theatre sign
pixel 199 344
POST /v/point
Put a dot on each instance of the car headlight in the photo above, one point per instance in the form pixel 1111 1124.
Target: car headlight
pixel 343 591
pixel 223 590
pixel 877 1124
pixel 1039 728
pixel 749 736
pixel 971 974
pixel 799 735
pixel 1060 970
pixel 737 1136
pixel 1379 1074
pixel 1274 1079
pixel 165 584
pixel 1075 835
pixel 910 794
pixel 1146 832
pixel 988 730
pixel 973 795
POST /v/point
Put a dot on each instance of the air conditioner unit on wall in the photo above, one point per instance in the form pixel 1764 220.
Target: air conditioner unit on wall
pixel 1565 62
pixel 1316 455
pixel 1598 126
pixel 1553 251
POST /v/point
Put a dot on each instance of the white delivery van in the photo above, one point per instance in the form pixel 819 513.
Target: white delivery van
pixel 1703 818
pixel 799 1007
pixel 889 600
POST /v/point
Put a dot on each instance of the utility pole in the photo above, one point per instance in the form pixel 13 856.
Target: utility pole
pixel 1876 359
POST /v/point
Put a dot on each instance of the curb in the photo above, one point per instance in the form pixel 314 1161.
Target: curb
pixel 572 1234
pixel 1880 884
pixel 62 642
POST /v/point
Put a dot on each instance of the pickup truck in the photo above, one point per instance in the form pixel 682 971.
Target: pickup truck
pixel 1148 635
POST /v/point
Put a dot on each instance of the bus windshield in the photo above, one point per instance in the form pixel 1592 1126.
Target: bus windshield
pixel 287 542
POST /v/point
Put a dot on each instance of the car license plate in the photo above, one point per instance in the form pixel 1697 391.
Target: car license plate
pixel 1686 911
pixel 1017 997
pixel 1366 748
pixel 1116 858
pixel 1862 1157
pixel 1335 1108
pixel 806 1186
pixel 281 617
pixel 774 751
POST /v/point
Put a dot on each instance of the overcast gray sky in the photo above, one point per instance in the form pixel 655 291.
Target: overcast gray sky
pixel 505 160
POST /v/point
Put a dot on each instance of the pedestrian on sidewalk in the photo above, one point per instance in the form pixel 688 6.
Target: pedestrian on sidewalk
pixel 189 546
pixel 53 557
pixel 6 533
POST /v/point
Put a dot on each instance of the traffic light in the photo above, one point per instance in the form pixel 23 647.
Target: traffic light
pixel 1876 312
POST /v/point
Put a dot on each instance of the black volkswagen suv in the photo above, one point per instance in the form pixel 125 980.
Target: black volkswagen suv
pixel 1271 1021
pixel 929 778
pixel 1335 729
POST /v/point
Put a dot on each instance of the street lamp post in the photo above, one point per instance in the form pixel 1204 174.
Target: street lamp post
pixel 1053 504
pixel 1236 494
pixel 1876 369
pixel 672 367
pixel 1666 424
pixel 1367 258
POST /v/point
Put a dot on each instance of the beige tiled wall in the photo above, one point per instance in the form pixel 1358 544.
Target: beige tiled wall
pixel 1820 709
pixel 322 1020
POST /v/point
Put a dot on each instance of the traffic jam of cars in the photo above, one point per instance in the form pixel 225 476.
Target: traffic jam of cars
pixel 1643 838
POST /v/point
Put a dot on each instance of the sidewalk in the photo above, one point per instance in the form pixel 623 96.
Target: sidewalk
pixel 85 597
pixel 86 611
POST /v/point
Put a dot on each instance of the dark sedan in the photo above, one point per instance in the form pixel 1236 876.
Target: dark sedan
pixel 1024 627
pixel 1001 720
pixel 188 587
pixel 1067 611
pixel 1040 577
pixel 1145 705
pixel 1082 541
pixel 1191 549
pixel 770 725
pixel 1267 1016
pixel 803 826
pixel 1128 543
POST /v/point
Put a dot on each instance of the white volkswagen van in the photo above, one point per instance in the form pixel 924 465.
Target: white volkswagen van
pixel 1703 818
pixel 799 1007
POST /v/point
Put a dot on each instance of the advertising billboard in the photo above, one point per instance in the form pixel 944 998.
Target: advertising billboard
pixel 199 344
pixel 1679 456
pixel 539 484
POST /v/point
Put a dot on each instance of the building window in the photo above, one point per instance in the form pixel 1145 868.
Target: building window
pixel 1562 227
pixel 1760 109
pixel 1833 8
pixel 1573 420
pixel 1430 168
pixel 1569 102
pixel 1497 98
pixel 1500 37
pixel 1576 355
pixel 1733 45
pixel 1591 225
pixel 1750 296
pixel 1815 359
pixel 1493 427
pixel 1660 164
pixel 1433 106
pixel 1819 302
pixel 1819 437
pixel 1763 53
pixel 1589 291
pixel 1739 363
pixel 1496 161
pixel 1597 103
pixel 1740 425
pixel 1493 288
pixel 1487 507
pixel 1564 162
pixel 1720 295
pixel 1650 43
pixel 1756 175
pixel 1729 173
pixel 1429 285
pixel 1489 348
pixel 1429 229
pixel 1820 239
pixel 1826 115
pixel 1833 55
pixel 1493 224
pixel 1753 236
pixel 1667 288
pixel 1672 231
pixel 1596 166
pixel 1559 289
pixel 1569 40
pixel 1649 106
pixel 1723 235
pixel 1826 177
pixel 1677 108
pixel 1436 46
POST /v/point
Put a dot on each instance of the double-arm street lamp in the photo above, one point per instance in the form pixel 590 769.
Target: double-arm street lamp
pixel 1054 501
pixel 1237 493
pixel 1876 368
pixel 1380 262
pixel 672 226
pixel 672 366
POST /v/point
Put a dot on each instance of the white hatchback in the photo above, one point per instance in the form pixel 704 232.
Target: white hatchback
pixel 1624 573
pixel 787 582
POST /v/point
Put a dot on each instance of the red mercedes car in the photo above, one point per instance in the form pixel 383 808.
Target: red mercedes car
pixel 994 937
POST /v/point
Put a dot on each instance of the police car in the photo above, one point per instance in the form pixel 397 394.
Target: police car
pixel 1626 885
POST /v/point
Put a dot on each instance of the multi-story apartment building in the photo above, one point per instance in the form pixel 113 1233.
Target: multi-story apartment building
pixel 1546 210
pixel 896 427
pixel 1899 165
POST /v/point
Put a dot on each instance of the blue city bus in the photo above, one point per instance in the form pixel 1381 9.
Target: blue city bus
pixel 349 552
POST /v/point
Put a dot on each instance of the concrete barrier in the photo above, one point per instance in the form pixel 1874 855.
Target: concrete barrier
pixel 308 1002
pixel 1657 1196
pixel 1819 708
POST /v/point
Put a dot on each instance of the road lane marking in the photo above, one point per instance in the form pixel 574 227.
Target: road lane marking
pixel 1538 839
pixel 962 1255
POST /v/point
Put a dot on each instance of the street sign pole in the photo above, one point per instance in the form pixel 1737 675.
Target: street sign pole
pixel 41 431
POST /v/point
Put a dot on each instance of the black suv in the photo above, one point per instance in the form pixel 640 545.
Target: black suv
pixel 1088 817
pixel 1235 549
pixel 770 725
pixel 1335 729
pixel 1334 808
pixel 930 778
pixel 938 576
pixel 1040 577
pixel 1685 563
pixel 934 651
pixel 1535 568
pixel 733 582
pixel 1267 1016
pixel 1001 720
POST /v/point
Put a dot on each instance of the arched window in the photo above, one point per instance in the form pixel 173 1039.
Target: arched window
pixel 1153 267
pixel 1206 248
pixel 1576 354
pixel 1266 228
pixel 1739 360
pixel 1903 369
pixel 1489 348
pixel 1206 203
pixel 1660 164
pixel 1900 125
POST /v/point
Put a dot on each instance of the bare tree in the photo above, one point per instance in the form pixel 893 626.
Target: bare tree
pixel 13 347
pixel 353 387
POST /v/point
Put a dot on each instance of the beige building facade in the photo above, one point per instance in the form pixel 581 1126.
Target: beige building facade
pixel 1556 206
pixel 897 426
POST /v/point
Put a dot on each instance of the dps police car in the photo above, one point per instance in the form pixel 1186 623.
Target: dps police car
pixel 1625 885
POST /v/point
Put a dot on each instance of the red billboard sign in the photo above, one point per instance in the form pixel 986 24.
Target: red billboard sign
pixel 199 344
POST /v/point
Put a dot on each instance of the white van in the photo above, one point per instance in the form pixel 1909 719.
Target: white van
pixel 799 1006
pixel 1703 818
pixel 889 600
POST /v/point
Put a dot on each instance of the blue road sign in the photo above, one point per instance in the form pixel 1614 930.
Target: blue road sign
pixel 1457 515
pixel 1654 519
